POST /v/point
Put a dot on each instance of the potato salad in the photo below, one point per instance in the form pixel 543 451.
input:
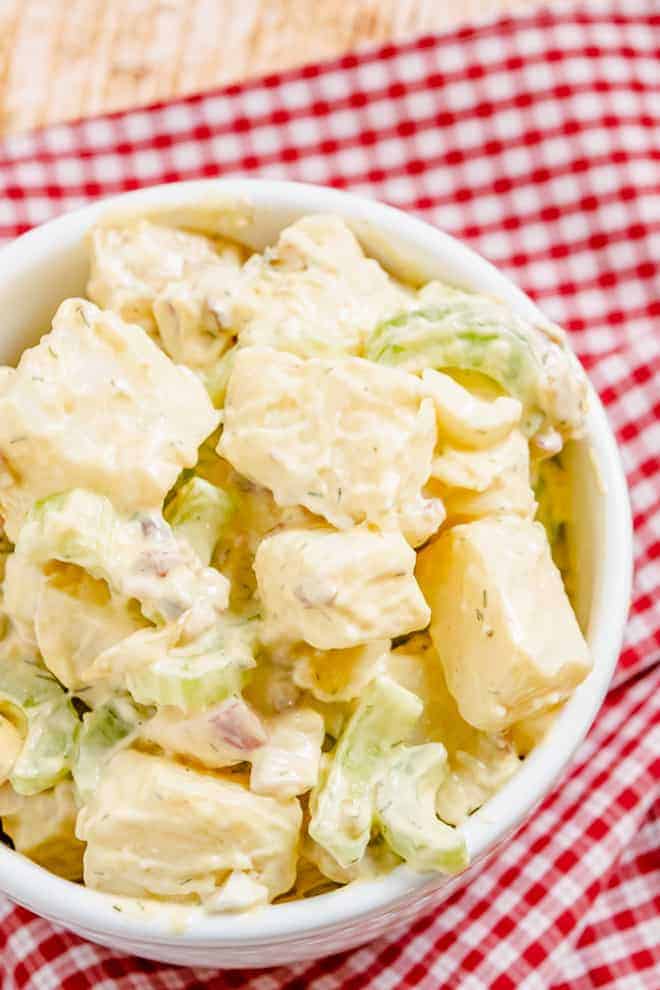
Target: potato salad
pixel 284 560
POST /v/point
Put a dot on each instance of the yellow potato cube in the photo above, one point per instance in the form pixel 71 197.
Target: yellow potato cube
pixel 347 439
pixel 338 590
pixel 501 621
pixel 97 405
pixel 155 827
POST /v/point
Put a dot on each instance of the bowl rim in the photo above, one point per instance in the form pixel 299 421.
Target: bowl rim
pixel 80 908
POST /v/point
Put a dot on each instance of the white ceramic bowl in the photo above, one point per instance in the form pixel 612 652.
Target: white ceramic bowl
pixel 44 266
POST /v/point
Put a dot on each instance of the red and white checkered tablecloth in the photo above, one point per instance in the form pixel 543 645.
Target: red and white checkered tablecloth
pixel 537 140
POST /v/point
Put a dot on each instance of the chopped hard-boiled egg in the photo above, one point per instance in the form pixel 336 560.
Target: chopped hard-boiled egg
pixel 467 419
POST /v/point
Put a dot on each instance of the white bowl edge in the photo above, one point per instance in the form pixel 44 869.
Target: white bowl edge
pixel 433 254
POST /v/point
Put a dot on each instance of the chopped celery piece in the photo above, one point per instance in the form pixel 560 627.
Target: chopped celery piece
pixel 200 512
pixel 139 557
pixel 164 667
pixel 187 683
pixel 405 810
pixel 343 802
pixel 103 732
pixel 470 332
pixel 48 721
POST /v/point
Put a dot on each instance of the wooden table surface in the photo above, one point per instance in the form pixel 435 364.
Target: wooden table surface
pixel 62 59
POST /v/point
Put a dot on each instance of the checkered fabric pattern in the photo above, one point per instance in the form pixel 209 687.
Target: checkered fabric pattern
pixel 535 139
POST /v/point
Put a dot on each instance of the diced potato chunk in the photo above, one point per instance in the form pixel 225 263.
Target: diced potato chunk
pixel 192 315
pixel 76 619
pixel 479 762
pixel 501 621
pixel 476 470
pixel 315 293
pixel 183 328
pixel 284 749
pixel 337 675
pixel 97 405
pixel 136 266
pixel 159 828
pixel 42 827
pixel 485 482
pixel 338 590
pixel 239 892
pixel 345 438
pixel 256 514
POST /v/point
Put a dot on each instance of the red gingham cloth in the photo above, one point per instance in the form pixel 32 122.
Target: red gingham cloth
pixel 536 139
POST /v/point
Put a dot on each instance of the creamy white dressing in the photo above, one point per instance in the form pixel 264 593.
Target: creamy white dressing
pixel 235 483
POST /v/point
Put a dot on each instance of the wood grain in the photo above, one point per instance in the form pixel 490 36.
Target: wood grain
pixel 63 59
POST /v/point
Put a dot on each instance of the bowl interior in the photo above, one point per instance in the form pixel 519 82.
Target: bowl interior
pixel 50 263
pixel 59 267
